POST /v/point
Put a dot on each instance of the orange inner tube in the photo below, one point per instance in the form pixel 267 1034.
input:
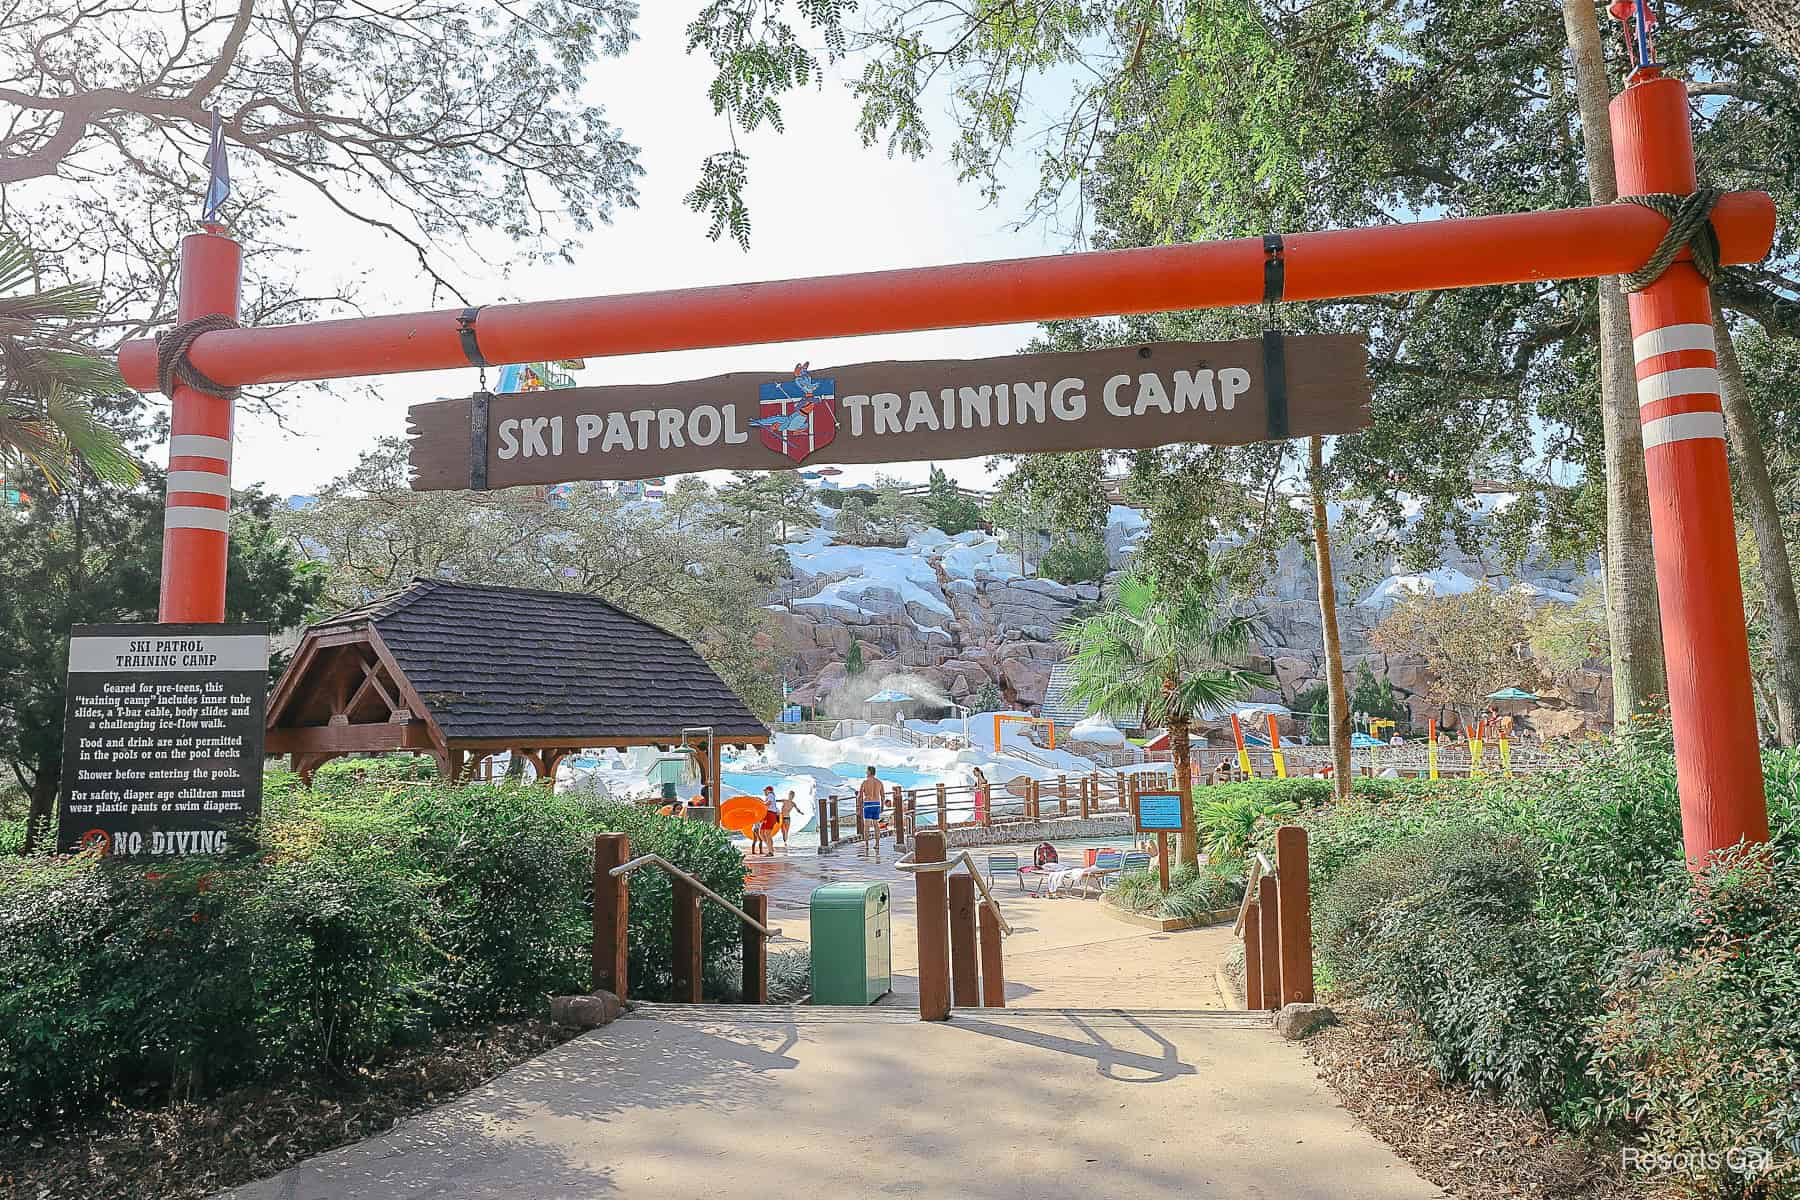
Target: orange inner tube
pixel 741 814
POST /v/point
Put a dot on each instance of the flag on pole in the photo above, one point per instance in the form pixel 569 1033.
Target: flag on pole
pixel 218 167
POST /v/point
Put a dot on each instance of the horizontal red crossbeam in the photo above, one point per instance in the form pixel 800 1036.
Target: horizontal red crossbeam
pixel 1574 243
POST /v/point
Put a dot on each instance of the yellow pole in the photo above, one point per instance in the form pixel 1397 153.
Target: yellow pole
pixel 1431 744
pixel 1237 731
pixel 1275 749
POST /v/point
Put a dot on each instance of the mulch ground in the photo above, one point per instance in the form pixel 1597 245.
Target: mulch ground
pixel 188 1150
pixel 1467 1144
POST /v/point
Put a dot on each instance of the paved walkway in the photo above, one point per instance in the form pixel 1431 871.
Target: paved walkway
pixel 767 1104
pixel 1062 1094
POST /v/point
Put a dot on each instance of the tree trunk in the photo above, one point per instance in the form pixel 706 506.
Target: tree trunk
pixel 1777 20
pixel 1632 620
pixel 1764 511
pixel 1187 846
pixel 1335 683
pixel 42 811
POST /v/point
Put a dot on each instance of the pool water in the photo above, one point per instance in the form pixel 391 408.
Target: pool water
pixel 906 777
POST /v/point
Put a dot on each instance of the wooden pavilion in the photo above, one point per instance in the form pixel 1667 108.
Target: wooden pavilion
pixel 464 671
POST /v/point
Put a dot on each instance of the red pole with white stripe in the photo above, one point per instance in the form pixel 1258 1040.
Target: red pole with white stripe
pixel 1718 761
pixel 197 510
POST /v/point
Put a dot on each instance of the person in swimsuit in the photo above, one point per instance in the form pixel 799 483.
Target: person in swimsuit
pixel 771 818
pixel 868 812
pixel 787 818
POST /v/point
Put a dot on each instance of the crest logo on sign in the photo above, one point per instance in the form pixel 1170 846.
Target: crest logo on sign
pixel 798 415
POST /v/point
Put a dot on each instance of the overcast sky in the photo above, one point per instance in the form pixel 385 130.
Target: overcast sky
pixel 821 204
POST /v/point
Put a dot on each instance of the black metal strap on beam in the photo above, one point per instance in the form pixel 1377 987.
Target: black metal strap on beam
pixel 1274 269
pixel 478 440
pixel 1275 382
pixel 465 329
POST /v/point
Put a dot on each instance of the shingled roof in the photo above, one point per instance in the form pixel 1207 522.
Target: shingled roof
pixel 518 663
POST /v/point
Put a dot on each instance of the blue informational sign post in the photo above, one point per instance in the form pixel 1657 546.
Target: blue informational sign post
pixel 1159 812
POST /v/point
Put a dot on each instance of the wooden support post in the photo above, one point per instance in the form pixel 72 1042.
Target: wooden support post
pixel 933 914
pixel 899 802
pixel 1270 936
pixel 1294 891
pixel 1031 802
pixel 1062 795
pixel 612 907
pixel 756 950
pixel 1087 785
pixel 687 942
pixel 1253 957
pixel 837 832
pixel 965 983
pixel 1122 795
pixel 993 969
pixel 943 800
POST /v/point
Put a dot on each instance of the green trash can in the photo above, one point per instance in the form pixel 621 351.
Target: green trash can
pixel 852 943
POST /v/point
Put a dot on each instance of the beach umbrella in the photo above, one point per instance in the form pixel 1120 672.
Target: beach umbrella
pixel 1511 693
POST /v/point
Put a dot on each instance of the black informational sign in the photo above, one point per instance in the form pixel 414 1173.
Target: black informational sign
pixel 163 739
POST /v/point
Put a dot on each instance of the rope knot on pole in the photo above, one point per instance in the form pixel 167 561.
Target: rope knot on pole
pixel 172 362
pixel 1690 225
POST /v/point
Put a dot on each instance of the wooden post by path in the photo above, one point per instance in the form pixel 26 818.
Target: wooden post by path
pixel 1062 795
pixel 1086 783
pixel 965 982
pixel 612 908
pixel 899 800
pixel 993 970
pixel 1253 989
pixel 933 914
pixel 1270 935
pixel 943 801
pixel 1294 891
pixel 687 940
pixel 756 950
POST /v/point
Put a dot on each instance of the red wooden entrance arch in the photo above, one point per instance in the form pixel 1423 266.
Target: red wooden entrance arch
pixel 1684 429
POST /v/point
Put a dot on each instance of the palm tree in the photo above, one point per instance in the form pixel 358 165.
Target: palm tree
pixel 49 380
pixel 1164 652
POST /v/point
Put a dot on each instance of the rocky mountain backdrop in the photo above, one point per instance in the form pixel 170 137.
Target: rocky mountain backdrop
pixel 957 613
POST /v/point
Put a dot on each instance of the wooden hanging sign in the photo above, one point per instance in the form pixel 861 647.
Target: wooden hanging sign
pixel 1120 398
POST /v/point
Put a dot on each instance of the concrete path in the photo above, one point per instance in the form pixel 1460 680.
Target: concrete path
pixel 773 1104
pixel 1059 1095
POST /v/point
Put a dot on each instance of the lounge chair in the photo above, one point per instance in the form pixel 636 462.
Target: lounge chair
pixel 1107 863
pixel 1008 863
pixel 1135 860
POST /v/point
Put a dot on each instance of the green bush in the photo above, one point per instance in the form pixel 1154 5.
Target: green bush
pixel 1546 937
pixel 1192 893
pixel 1441 925
pixel 1703 1030
pixel 1226 826
pixel 361 913
pixel 1075 559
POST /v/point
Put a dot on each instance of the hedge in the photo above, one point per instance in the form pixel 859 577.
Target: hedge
pixel 362 913
pixel 1548 941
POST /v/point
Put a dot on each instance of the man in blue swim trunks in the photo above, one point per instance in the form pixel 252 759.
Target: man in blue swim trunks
pixel 868 812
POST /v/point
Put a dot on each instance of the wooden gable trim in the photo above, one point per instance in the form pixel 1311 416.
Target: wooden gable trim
pixel 290 679
pixel 411 694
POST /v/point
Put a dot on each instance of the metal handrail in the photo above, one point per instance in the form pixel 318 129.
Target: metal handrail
pixel 1259 867
pixel 963 859
pixel 657 860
